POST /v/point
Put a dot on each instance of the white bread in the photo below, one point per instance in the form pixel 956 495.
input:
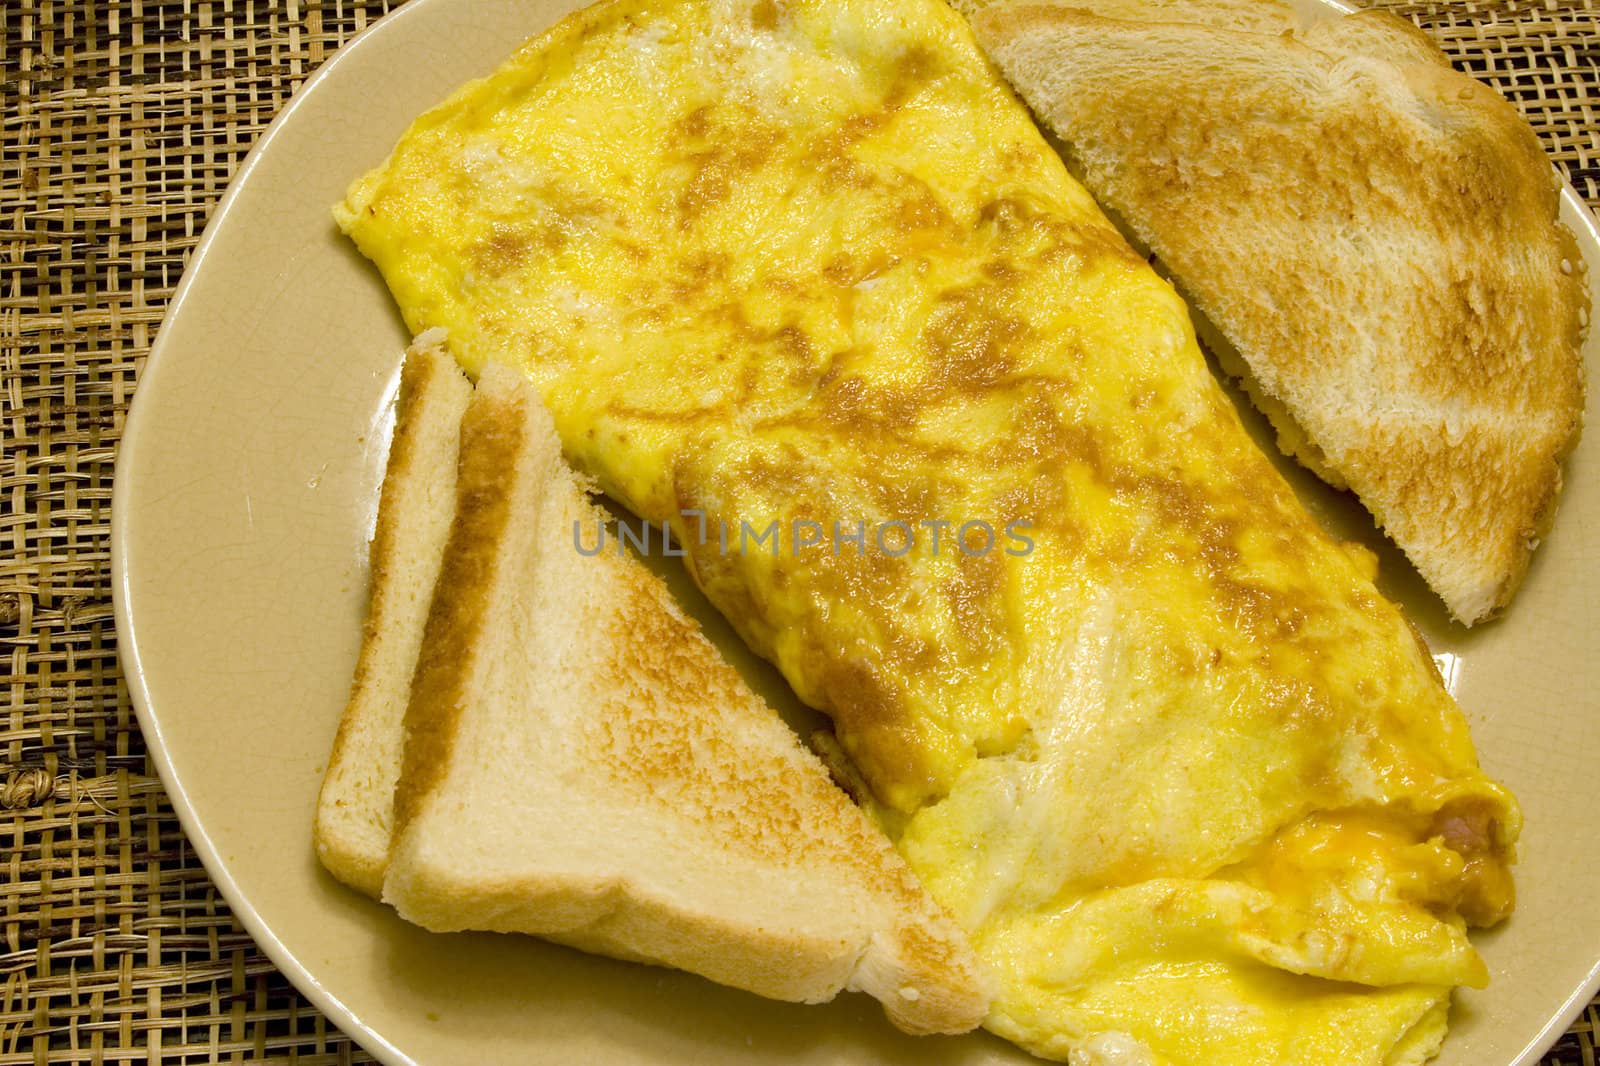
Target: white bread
pixel 580 763
pixel 1255 16
pixel 1374 233
pixel 353 820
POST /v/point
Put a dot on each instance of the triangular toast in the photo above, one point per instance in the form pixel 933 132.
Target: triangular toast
pixel 580 763
pixel 354 810
pixel 1375 234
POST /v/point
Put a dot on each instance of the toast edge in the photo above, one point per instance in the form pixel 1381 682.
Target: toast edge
pixel 431 386
pixel 920 949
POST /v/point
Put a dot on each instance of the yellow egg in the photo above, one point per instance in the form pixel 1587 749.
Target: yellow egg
pixel 801 278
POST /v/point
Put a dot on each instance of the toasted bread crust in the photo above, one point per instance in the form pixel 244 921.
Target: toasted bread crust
pixel 357 859
pixel 365 871
pixel 491 437
pixel 1251 16
pixel 1405 291
pixel 670 728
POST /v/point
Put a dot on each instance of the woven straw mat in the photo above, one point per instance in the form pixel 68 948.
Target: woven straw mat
pixel 122 123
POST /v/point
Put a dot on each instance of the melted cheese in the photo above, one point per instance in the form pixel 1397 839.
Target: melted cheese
pixel 1192 785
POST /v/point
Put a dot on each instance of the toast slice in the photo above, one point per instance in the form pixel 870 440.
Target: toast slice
pixel 354 808
pixel 1255 16
pixel 581 764
pixel 1373 232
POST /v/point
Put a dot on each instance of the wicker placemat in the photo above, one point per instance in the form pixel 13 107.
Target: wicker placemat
pixel 120 125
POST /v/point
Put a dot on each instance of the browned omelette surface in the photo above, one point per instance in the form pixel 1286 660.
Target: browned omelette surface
pixel 803 280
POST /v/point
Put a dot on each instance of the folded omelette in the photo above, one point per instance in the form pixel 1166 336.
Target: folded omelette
pixel 805 269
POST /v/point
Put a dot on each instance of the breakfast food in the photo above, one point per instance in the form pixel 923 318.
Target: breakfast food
pixel 803 281
pixel 355 806
pixel 1256 16
pixel 1374 233
pixel 580 763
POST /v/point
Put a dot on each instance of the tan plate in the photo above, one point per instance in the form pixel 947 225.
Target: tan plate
pixel 245 489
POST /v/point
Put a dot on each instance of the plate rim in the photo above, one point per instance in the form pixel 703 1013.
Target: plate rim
pixel 299 975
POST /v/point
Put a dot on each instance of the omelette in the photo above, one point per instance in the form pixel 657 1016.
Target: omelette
pixel 802 280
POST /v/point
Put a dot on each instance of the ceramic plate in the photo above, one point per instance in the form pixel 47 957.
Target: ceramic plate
pixel 245 491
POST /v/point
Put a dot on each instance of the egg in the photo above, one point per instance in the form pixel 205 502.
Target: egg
pixel 802 280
